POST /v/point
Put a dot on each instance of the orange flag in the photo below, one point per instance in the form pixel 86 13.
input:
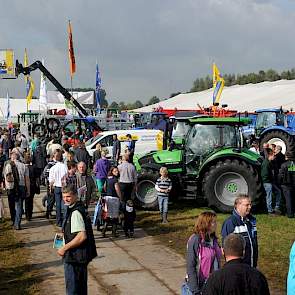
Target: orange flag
pixel 71 51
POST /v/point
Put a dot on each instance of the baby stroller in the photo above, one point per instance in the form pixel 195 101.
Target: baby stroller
pixel 110 214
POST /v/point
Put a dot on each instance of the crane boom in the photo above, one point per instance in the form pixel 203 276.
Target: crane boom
pixel 20 69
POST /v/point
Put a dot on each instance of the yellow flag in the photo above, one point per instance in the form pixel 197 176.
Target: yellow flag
pixel 218 84
pixel 30 85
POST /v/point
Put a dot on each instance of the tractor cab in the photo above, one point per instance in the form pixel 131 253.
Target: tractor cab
pixel 269 117
pixel 207 135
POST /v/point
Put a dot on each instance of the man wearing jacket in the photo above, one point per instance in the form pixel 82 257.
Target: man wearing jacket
pixel 287 180
pixel 236 277
pixel 74 252
pixel 243 223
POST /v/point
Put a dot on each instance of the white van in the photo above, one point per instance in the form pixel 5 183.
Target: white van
pixel 146 140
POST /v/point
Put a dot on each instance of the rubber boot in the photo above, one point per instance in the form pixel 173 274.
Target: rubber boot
pixel 165 218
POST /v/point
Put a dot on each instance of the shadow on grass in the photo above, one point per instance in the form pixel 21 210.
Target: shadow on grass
pixel 21 280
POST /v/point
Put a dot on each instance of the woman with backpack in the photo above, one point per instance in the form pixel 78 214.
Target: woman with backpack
pixel 203 254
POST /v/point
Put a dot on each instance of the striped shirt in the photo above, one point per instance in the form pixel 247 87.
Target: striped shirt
pixel 163 184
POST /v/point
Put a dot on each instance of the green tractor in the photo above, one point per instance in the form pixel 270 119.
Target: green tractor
pixel 211 165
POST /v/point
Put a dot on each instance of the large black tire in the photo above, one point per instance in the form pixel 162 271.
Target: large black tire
pixel 285 140
pixel 52 125
pixel 40 130
pixel 227 180
pixel 146 195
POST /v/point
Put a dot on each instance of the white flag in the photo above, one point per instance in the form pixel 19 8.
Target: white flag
pixel 8 107
pixel 43 89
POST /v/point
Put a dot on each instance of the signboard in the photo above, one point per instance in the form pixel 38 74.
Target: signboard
pixel 7 70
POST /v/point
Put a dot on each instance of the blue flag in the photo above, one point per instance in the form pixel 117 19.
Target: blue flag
pixel 97 87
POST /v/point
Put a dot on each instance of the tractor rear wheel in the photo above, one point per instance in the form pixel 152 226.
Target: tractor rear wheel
pixel 285 140
pixel 146 194
pixel 226 180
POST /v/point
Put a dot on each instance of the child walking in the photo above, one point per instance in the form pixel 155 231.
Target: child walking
pixel 163 187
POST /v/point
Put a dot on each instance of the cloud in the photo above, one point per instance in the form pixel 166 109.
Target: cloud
pixel 147 48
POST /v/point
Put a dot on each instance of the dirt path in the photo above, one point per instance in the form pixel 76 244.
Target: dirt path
pixel 123 266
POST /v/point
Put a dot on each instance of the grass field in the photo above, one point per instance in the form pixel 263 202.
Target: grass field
pixel 16 276
pixel 275 238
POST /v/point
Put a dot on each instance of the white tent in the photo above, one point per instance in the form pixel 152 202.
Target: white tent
pixel 248 97
pixel 54 98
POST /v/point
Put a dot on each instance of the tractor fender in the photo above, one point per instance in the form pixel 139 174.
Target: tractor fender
pixel 230 153
pixel 278 128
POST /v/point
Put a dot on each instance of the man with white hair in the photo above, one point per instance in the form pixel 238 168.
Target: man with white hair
pixel 243 223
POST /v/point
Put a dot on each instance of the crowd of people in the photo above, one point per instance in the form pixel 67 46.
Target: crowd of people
pixel 74 180
pixel 278 178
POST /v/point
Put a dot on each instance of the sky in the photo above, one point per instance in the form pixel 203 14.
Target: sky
pixel 147 48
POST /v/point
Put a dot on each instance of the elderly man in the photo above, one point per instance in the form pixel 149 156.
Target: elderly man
pixel 243 223
pixel 235 277
pixel 85 184
pixel 74 251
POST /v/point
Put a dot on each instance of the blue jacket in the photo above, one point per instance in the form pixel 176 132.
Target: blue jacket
pixel 291 274
pixel 247 228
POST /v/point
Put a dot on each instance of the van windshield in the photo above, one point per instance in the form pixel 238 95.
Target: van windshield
pixel 93 139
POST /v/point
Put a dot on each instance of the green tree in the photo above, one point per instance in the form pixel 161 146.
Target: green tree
pixel 114 105
pixel 153 100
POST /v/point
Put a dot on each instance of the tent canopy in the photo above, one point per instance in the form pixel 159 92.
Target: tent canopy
pixel 249 97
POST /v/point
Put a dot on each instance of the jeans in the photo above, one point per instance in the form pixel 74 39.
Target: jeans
pixel 163 204
pixel 59 205
pixel 185 289
pixel 11 203
pixel 269 188
pixel 19 205
pixel 50 202
pixel 76 279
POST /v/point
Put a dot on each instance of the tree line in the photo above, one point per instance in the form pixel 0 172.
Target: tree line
pixel 241 79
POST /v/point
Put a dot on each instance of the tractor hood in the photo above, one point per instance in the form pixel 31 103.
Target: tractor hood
pixel 155 160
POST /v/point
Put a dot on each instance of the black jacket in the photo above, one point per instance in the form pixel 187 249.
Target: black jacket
pixel 82 155
pixel 236 278
pixel 287 173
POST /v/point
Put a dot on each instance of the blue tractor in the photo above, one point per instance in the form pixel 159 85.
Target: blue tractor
pixel 276 126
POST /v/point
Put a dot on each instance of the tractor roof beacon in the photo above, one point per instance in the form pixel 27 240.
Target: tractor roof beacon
pixel 211 165
pixel 276 126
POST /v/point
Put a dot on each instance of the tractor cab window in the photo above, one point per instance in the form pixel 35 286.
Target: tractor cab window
pixel 180 129
pixel 202 139
pixel 281 120
pixel 266 119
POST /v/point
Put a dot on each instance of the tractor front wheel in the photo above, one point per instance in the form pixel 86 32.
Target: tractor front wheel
pixel 226 180
pixel 146 195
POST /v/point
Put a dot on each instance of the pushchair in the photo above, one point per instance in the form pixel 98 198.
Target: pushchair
pixel 110 214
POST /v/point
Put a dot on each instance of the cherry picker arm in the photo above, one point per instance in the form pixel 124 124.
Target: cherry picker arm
pixel 38 65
